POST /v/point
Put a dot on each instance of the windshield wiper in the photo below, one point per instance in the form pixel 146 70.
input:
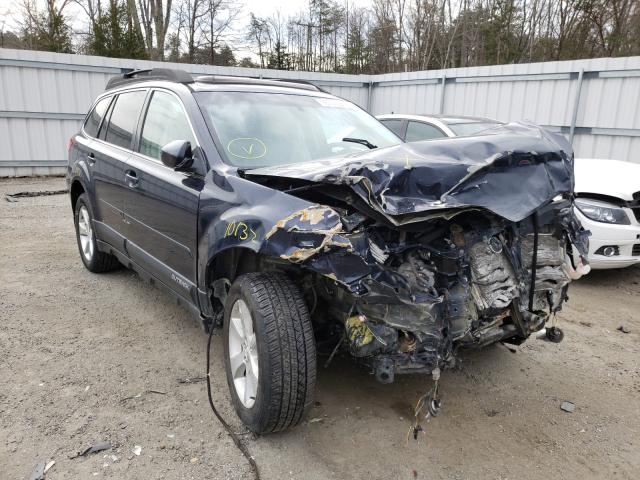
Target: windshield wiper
pixel 361 141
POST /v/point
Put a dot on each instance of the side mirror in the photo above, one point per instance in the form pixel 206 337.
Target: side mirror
pixel 177 155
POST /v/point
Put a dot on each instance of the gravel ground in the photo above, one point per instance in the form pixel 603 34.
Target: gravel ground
pixel 89 358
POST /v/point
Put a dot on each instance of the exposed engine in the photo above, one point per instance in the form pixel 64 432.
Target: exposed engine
pixel 444 285
pixel 418 250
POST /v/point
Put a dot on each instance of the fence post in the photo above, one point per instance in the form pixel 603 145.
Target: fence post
pixel 444 81
pixel 576 104
pixel 369 97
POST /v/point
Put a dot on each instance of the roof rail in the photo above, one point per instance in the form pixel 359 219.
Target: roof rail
pixel 171 75
pixel 273 82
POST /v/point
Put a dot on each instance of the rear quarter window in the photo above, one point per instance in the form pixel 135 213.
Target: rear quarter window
pixel 92 124
pixel 395 125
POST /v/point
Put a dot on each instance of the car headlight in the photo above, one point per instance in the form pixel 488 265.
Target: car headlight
pixel 602 212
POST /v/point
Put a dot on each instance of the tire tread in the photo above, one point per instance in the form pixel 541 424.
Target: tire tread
pixel 291 345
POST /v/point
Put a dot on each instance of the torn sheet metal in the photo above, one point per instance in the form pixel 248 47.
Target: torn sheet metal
pixel 305 233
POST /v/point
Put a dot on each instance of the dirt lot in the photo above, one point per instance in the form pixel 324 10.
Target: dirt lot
pixel 78 348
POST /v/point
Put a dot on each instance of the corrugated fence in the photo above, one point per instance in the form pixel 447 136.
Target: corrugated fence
pixel 44 97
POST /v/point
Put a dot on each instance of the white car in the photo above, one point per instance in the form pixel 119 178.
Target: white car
pixel 415 128
pixel 608 204
pixel 608 191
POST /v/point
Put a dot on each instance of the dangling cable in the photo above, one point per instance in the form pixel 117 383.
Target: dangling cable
pixel 534 260
pixel 429 402
pixel 241 446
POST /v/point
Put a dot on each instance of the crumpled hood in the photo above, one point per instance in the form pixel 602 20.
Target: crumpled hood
pixel 511 170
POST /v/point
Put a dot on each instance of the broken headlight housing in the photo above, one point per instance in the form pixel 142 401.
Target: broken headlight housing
pixel 602 212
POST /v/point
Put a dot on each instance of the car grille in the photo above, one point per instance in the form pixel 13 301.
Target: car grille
pixel 636 249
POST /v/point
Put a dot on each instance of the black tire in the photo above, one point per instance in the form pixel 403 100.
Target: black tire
pixel 286 351
pixel 100 261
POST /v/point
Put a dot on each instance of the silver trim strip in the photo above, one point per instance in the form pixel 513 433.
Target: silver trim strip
pixel 42 115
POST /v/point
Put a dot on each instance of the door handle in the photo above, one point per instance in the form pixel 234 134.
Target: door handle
pixel 131 178
pixel 91 158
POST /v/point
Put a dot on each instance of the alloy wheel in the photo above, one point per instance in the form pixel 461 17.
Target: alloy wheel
pixel 85 233
pixel 243 353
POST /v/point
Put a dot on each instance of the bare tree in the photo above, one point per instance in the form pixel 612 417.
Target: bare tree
pixel 332 35
pixel 191 18
pixel 258 36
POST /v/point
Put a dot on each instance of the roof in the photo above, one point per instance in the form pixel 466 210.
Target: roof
pixel 183 77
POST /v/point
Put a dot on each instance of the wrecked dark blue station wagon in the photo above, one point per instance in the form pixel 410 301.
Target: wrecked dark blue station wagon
pixel 297 222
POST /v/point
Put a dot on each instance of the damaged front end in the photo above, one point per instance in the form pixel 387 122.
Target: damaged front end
pixel 419 250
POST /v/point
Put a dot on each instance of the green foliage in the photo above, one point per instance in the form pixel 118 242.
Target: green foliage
pixel 114 35
pixel 246 62
pixel 10 40
pixel 48 31
pixel 279 58
pixel 225 57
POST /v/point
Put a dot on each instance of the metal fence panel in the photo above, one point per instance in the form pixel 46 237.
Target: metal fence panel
pixel 44 96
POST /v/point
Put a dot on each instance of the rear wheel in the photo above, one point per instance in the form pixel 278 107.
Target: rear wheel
pixel 269 351
pixel 95 260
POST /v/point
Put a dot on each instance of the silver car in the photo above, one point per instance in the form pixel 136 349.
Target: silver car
pixel 414 128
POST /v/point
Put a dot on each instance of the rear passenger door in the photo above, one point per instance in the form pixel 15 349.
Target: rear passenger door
pixel 108 155
pixel 162 204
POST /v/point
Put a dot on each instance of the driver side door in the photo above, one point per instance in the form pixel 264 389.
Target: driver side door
pixel 162 205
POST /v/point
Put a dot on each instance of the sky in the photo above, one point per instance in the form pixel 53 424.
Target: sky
pixel 261 8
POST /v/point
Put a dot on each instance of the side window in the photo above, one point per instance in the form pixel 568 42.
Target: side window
pixel 165 122
pixel 417 131
pixel 92 124
pixel 124 117
pixel 395 126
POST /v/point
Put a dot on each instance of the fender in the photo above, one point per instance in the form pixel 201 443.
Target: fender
pixel 78 169
pixel 79 172
pixel 238 214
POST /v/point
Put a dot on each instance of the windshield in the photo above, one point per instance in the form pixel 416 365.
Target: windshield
pixel 471 128
pixel 264 129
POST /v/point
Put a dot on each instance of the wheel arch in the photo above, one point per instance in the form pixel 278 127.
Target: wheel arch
pixel 223 269
pixel 75 190
pixel 232 262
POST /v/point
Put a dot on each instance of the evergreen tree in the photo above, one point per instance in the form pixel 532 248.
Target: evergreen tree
pixel 225 57
pixel 114 35
pixel 46 30
pixel 279 58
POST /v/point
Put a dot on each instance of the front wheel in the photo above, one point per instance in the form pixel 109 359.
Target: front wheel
pixel 269 351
